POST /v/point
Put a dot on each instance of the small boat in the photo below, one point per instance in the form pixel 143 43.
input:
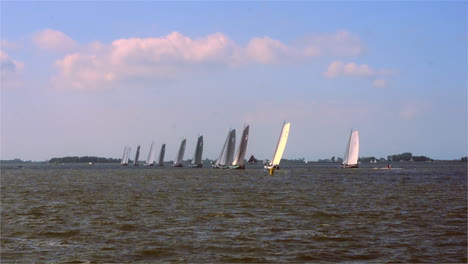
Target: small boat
pixel 125 156
pixel 180 155
pixel 150 159
pixel 280 146
pixel 238 162
pixel 137 155
pixel 227 152
pixel 161 155
pixel 350 159
pixel 197 156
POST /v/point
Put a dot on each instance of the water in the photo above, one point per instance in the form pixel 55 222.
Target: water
pixel 304 213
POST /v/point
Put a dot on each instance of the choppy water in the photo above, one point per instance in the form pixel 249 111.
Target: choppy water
pixel 304 213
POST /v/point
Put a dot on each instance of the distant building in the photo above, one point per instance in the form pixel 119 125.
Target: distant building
pixel 252 160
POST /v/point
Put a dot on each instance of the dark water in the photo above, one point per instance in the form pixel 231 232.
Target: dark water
pixel 304 213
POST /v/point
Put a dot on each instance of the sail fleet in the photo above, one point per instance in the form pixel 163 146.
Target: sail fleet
pixel 232 158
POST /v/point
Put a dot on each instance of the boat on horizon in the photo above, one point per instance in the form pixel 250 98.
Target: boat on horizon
pixel 279 150
pixel 227 152
pixel 150 159
pixel 180 155
pixel 125 156
pixel 197 155
pixel 137 155
pixel 351 155
pixel 161 156
pixel 238 162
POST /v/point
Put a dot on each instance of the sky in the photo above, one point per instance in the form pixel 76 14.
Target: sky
pixel 87 78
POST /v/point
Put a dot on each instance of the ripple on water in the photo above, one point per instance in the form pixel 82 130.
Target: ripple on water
pixel 313 213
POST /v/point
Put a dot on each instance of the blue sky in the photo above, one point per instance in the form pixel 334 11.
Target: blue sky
pixel 88 78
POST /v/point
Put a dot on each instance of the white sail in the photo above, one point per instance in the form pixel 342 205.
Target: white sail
pixel 231 147
pixel 222 158
pixel 150 159
pixel 180 155
pixel 280 146
pixel 122 162
pixel 240 154
pixel 128 155
pixel 125 156
pixel 161 155
pixel 197 156
pixel 352 150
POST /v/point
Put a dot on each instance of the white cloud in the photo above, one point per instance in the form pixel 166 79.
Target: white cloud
pixel 171 55
pixel 53 40
pixel 171 49
pixel 267 50
pixel 338 69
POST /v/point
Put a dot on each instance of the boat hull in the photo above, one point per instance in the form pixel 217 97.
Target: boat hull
pixel 195 165
pixel 276 167
pixel 237 167
pixel 222 167
pixel 178 165
pixel 349 166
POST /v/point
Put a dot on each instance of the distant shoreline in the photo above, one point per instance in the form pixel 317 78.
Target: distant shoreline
pixel 102 160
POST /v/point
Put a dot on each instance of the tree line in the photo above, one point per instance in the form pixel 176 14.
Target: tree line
pixel 84 159
pixel 407 156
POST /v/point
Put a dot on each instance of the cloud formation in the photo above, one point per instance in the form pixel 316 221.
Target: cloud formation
pixel 339 69
pixel 53 40
pixel 267 51
pixel 169 56
pixel 339 44
pixel 9 70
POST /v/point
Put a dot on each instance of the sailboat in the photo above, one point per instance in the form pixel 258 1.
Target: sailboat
pixel 161 155
pixel 280 146
pixel 238 162
pixel 180 155
pixel 137 155
pixel 350 159
pixel 197 156
pixel 227 152
pixel 125 156
pixel 150 159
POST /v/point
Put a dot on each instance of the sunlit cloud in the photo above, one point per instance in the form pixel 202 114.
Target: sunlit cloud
pixel 267 50
pixel 53 40
pixel 98 65
pixel 338 69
